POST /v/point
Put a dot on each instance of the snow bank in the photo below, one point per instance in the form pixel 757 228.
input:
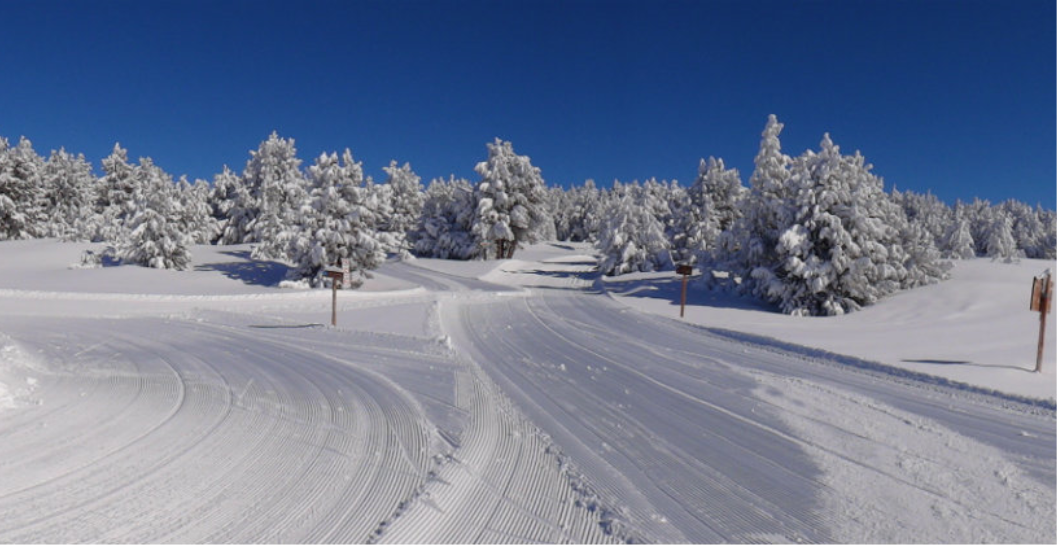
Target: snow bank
pixel 974 328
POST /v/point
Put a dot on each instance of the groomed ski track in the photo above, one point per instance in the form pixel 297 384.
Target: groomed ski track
pixel 546 415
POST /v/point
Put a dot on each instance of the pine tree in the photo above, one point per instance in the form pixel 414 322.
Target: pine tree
pixel 1000 241
pixel 114 199
pixel 21 191
pixel 716 198
pixel 633 238
pixel 277 186
pixel 153 235
pixel 445 228
pixel 766 211
pixel 847 244
pixel 196 213
pixel 405 199
pixel 958 241
pixel 337 221
pixel 511 201
pixel 70 195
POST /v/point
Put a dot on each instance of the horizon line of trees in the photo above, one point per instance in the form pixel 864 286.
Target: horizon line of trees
pixel 815 234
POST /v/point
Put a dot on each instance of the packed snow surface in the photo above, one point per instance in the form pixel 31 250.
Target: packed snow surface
pixel 524 400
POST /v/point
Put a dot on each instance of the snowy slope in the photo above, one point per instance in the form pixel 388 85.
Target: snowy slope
pixel 511 401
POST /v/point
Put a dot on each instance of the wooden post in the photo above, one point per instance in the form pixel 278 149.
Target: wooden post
pixel 686 271
pixel 336 276
pixel 333 301
pixel 1041 295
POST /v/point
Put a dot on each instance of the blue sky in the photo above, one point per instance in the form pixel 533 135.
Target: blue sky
pixel 956 97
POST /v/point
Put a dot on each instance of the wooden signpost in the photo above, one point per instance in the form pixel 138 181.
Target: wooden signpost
pixel 1041 297
pixel 686 271
pixel 342 276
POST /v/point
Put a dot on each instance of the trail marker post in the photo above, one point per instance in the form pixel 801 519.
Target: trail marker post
pixel 336 275
pixel 685 271
pixel 1041 297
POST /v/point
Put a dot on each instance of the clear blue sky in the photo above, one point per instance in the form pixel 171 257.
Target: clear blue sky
pixel 956 97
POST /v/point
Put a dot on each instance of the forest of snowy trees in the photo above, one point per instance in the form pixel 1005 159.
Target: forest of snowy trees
pixel 815 234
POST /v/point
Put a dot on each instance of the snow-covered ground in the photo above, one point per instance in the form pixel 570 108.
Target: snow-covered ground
pixel 516 401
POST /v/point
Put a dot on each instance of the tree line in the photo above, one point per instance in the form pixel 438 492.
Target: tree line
pixel 815 234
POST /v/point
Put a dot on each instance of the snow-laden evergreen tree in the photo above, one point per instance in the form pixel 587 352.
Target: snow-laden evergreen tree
pixel 927 211
pixel 981 217
pixel 633 238
pixel 716 196
pixel 277 186
pixel 999 240
pixel 1048 240
pixel 337 221
pixel 511 201
pixel 766 209
pixel 1027 228
pixel 115 193
pixel 576 216
pixel 195 211
pixel 153 234
pixel 22 198
pixel 445 227
pixel 70 194
pixel 957 242
pixel 680 225
pixel 720 189
pixel 232 207
pixel 404 197
pixel 847 244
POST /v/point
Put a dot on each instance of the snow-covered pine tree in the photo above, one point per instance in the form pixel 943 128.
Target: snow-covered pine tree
pixel 21 191
pixel 405 199
pixel 70 195
pixel 957 242
pixel 927 211
pixel 1000 241
pixel 336 222
pixel 511 201
pixel 278 187
pixel 716 196
pixel 682 222
pixel 633 238
pixel 115 193
pixel 1027 228
pixel 232 206
pixel 847 244
pixel 445 228
pixel 576 212
pixel 195 211
pixel 154 235
pixel 766 210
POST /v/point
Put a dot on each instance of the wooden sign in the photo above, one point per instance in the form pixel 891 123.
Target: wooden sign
pixel 686 271
pixel 1041 294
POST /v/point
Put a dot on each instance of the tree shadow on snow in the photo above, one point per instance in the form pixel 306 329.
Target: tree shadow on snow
pixel 248 270
pixel 697 293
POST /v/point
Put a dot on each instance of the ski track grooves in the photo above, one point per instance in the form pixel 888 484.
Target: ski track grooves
pixel 202 443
